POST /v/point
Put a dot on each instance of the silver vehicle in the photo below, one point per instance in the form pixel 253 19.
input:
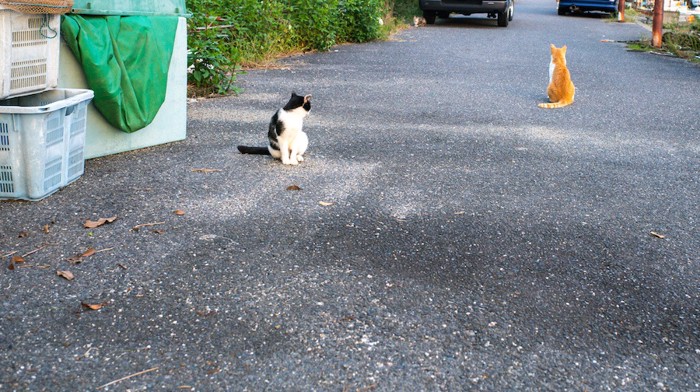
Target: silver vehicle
pixel 500 9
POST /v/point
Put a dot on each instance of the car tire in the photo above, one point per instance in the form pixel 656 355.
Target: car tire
pixel 503 19
pixel 443 15
pixel 511 11
pixel 429 17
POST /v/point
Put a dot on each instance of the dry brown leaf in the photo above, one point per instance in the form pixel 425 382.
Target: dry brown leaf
pixel 93 224
pixel 179 212
pixel 137 227
pixel 18 259
pixel 45 229
pixel 23 234
pixel 158 231
pixel 93 306
pixel 293 188
pixel 206 170
pixel 325 203
pixel 65 274
pixel 657 235
pixel 77 259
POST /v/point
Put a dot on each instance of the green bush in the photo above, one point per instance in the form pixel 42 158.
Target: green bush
pixel 358 20
pixel 314 23
pixel 225 35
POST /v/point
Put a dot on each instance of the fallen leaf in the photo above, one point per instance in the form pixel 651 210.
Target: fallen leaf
pixel 89 252
pixel 65 274
pixel 206 170
pixel 158 231
pixel 77 259
pixel 293 188
pixel 18 259
pixel 657 235
pixel 325 203
pixel 93 306
pixel 93 224
pixel 45 229
pixel 23 234
pixel 137 227
pixel 179 212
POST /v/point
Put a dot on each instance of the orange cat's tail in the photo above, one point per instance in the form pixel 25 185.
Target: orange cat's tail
pixel 555 105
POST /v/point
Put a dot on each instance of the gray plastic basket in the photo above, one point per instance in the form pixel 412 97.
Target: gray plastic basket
pixel 42 139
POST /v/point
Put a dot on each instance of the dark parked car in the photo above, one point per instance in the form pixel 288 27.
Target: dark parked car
pixel 501 9
pixel 574 6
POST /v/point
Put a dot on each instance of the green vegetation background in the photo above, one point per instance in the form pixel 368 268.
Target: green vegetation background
pixel 225 36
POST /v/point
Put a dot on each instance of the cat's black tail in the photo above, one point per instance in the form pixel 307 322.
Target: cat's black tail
pixel 254 150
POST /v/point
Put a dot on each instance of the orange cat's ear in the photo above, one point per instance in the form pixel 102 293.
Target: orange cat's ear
pixel 563 48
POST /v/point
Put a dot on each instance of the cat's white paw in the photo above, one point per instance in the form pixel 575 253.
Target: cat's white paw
pixel 300 158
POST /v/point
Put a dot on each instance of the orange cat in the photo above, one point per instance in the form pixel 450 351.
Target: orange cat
pixel 561 89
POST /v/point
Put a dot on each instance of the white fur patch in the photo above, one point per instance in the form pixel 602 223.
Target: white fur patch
pixel 293 142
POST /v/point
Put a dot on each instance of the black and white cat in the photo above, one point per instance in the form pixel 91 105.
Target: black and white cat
pixel 287 140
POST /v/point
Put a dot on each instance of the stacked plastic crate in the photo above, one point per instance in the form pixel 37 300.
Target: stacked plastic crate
pixel 42 128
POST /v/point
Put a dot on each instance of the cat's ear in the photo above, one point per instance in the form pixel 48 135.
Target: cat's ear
pixel 307 98
pixel 563 48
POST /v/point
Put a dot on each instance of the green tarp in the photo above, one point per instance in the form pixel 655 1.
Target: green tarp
pixel 125 60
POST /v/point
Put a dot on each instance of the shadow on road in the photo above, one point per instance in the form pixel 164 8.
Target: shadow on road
pixel 477 21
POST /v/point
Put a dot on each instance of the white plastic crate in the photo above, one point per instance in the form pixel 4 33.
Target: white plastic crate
pixel 42 142
pixel 30 47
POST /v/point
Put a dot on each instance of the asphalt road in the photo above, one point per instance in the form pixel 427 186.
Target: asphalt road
pixel 470 241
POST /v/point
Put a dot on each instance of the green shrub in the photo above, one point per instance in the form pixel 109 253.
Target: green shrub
pixel 224 35
pixel 313 23
pixel 358 20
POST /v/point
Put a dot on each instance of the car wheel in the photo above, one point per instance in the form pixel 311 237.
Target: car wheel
pixel 443 15
pixel 503 19
pixel 429 17
pixel 511 11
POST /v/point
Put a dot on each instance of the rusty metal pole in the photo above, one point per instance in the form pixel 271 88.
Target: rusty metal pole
pixel 657 24
pixel 621 11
